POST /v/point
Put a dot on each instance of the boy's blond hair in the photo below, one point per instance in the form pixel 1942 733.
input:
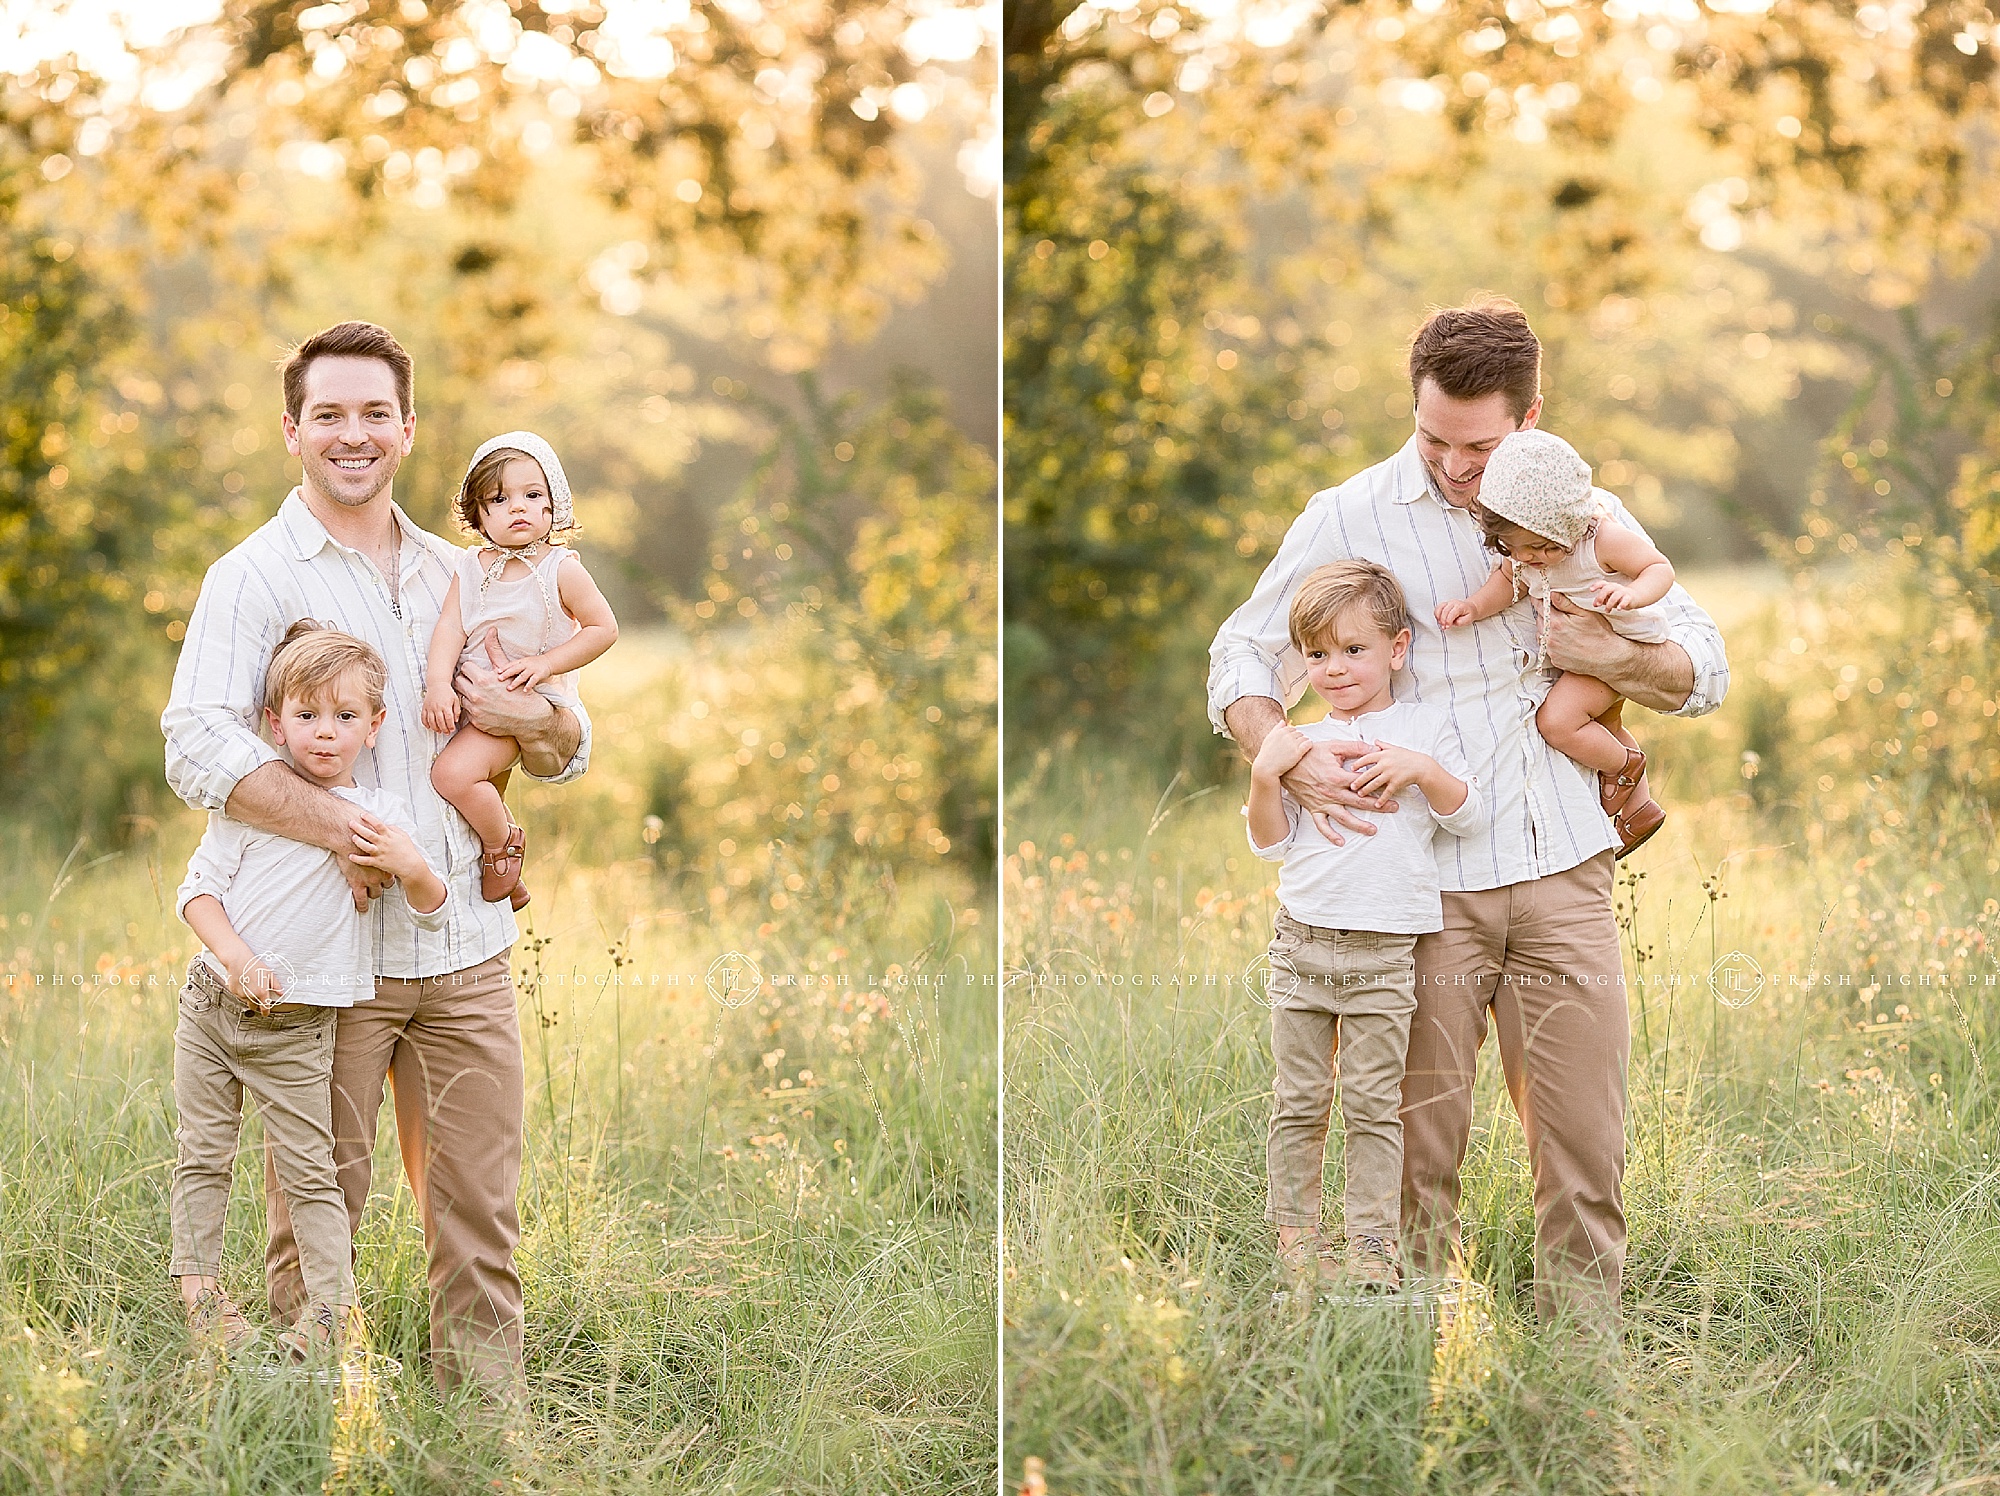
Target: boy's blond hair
pixel 313 656
pixel 1335 588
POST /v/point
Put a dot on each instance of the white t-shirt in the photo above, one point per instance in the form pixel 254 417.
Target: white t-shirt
pixel 1389 881
pixel 292 907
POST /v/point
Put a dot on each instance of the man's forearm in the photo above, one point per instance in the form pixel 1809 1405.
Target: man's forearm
pixel 1657 676
pixel 1250 720
pixel 274 798
pixel 548 746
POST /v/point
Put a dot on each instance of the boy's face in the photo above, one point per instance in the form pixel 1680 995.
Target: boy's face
pixel 1351 668
pixel 327 733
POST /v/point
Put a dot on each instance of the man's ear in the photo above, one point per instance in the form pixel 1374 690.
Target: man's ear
pixel 410 431
pixel 1532 415
pixel 290 428
pixel 376 726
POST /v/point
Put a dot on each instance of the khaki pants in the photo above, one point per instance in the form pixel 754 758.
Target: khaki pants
pixel 1340 1005
pixel 221 1050
pixel 1539 961
pixel 450 1047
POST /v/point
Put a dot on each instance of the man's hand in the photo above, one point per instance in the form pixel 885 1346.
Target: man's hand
pixel 1323 785
pixel 547 735
pixel 1659 676
pixel 364 882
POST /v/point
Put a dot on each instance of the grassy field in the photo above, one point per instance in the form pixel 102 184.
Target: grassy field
pixel 758 1248
pixel 1813 1294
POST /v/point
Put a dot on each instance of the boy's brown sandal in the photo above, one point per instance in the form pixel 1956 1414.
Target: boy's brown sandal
pixel 500 869
pixel 323 1330
pixel 215 1320
pixel 1614 791
pixel 1309 1262
pixel 1371 1265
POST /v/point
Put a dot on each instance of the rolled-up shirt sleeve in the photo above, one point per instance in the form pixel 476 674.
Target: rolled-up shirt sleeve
pixel 1471 816
pixel 578 762
pixel 1276 851
pixel 1689 626
pixel 1252 654
pixel 213 867
pixel 210 721
pixel 1702 640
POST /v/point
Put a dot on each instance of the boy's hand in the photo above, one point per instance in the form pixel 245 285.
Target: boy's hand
pixel 1282 748
pixel 379 844
pixel 1613 596
pixel 440 709
pixel 1455 614
pixel 523 674
pixel 256 983
pixel 1386 769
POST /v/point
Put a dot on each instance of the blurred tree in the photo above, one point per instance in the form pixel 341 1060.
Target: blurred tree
pixel 507 185
pixel 1341 165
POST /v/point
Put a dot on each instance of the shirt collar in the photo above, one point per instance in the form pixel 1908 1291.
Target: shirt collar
pixel 1413 479
pixel 308 537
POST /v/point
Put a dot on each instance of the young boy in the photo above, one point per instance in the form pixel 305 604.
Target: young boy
pixel 1343 980
pixel 285 952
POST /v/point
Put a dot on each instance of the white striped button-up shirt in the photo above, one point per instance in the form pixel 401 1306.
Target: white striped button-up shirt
pixel 1545 816
pixel 291 568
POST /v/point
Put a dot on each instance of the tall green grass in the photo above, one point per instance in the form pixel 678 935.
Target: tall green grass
pixel 757 1250
pixel 1812 1298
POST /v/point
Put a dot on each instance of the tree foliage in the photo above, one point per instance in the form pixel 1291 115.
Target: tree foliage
pixel 1711 215
pixel 572 215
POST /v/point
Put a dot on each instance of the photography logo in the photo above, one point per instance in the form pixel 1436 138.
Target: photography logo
pixel 281 969
pixel 1736 980
pixel 734 979
pixel 1257 979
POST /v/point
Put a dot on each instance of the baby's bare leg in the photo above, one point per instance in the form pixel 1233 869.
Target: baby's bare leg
pixel 1568 721
pixel 464 775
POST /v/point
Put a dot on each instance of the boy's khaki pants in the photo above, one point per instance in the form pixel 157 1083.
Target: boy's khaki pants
pixel 1341 1002
pixel 221 1050
pixel 1539 962
pixel 450 1046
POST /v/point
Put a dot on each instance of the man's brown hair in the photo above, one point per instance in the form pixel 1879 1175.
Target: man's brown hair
pixel 348 340
pixel 313 657
pixel 1473 350
pixel 1338 586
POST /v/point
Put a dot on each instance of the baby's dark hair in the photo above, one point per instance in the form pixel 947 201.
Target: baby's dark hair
pixel 483 481
pixel 1338 586
pixel 313 656
pixel 1499 531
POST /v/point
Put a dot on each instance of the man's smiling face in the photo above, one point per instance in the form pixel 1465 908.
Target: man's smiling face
pixel 1455 437
pixel 350 435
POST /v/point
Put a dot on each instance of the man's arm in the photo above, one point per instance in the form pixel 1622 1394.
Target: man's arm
pixel 1658 676
pixel 276 799
pixel 1688 676
pixel 1320 781
pixel 554 741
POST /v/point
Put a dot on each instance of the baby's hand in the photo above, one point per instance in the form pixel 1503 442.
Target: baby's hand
pixel 256 983
pixel 1282 749
pixel 1387 770
pixel 523 674
pixel 1456 614
pixel 440 710
pixel 1613 596
pixel 380 844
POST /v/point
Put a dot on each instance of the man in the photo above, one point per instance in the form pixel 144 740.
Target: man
pixel 1529 945
pixel 442 1027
